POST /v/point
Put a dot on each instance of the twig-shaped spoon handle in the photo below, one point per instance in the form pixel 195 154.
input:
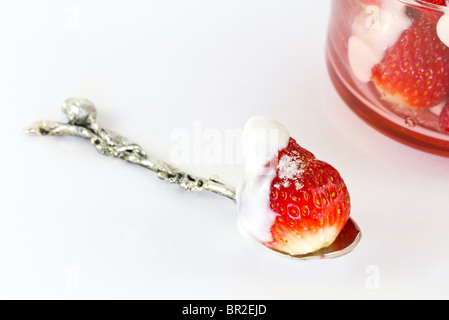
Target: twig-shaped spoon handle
pixel 81 114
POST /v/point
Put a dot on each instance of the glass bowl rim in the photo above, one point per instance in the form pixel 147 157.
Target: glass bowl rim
pixel 425 4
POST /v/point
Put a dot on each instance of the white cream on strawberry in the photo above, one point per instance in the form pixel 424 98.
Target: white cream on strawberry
pixel 373 32
pixel 263 138
pixel 443 29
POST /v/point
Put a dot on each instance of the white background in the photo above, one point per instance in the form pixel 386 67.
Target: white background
pixel 75 224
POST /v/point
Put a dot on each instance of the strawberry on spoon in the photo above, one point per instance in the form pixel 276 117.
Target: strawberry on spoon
pixel 289 201
pixel 275 164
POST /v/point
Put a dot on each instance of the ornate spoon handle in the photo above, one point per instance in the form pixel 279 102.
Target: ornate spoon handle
pixel 82 123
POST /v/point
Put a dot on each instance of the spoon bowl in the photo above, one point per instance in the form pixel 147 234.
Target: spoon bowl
pixel 346 241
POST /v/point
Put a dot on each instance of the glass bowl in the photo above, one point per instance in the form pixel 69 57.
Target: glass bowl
pixel 389 61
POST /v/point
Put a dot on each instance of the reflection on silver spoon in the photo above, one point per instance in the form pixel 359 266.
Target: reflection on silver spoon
pixel 346 241
pixel 81 114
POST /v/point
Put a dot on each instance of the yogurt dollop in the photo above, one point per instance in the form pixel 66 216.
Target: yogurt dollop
pixel 263 138
pixel 373 32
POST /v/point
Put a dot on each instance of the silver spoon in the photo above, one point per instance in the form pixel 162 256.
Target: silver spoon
pixel 81 114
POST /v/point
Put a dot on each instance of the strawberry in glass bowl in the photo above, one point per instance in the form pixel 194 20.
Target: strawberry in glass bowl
pixel 389 61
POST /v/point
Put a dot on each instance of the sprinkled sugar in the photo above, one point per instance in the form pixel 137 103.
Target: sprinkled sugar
pixel 290 170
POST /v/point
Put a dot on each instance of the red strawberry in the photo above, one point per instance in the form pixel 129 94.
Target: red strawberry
pixel 444 118
pixel 415 71
pixel 311 202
